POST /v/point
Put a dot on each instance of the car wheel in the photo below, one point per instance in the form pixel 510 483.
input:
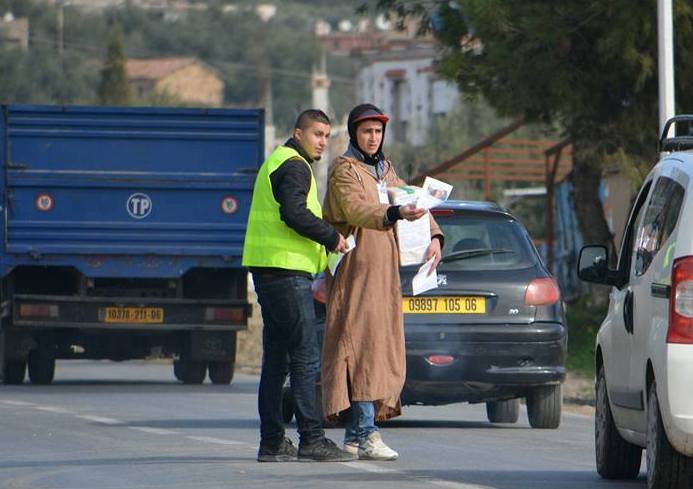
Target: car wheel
pixel 15 371
pixel 503 411
pixel 288 408
pixel 41 367
pixel 616 458
pixel 666 468
pixel 221 372
pixel 544 406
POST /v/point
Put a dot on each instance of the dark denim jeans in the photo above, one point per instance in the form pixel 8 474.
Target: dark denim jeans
pixel 290 346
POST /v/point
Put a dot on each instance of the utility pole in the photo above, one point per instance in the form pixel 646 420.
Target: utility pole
pixel 61 26
pixel 665 61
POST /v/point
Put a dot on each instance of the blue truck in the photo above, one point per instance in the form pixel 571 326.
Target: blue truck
pixel 122 232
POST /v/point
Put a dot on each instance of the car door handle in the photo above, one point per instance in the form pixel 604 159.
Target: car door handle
pixel 660 290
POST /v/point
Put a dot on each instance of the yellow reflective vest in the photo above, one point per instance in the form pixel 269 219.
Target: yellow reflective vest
pixel 269 242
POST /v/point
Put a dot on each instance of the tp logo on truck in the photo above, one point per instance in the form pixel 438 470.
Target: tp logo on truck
pixel 139 205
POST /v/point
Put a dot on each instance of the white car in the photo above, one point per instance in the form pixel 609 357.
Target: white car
pixel 644 348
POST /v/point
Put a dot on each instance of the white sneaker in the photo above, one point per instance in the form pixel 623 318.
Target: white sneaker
pixel 351 447
pixel 373 448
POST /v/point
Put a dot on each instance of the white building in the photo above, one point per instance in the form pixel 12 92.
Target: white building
pixel 405 86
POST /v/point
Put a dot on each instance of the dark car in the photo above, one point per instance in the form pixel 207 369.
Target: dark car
pixel 494 330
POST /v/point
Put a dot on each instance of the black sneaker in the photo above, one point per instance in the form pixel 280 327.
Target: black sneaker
pixel 323 450
pixel 284 452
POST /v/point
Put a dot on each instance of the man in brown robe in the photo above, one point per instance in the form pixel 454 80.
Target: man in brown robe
pixel 363 363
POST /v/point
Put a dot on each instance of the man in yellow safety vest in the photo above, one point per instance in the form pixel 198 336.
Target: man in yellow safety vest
pixel 285 245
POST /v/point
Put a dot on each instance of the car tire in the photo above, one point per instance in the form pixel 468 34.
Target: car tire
pixel 503 411
pixel 666 468
pixel 221 372
pixel 544 406
pixel 288 408
pixel 41 367
pixel 616 458
pixel 178 370
pixel 15 371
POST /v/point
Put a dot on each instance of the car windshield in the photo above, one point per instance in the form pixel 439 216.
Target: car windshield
pixel 484 242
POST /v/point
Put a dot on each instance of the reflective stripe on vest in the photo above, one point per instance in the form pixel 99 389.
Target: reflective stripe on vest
pixel 269 242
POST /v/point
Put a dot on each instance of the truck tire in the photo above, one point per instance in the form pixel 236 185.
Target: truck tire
pixel 544 406
pixel 503 411
pixel 221 372
pixel 616 458
pixel 192 372
pixel 41 367
pixel 666 468
pixel 15 371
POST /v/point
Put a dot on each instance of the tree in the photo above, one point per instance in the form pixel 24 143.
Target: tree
pixel 588 65
pixel 114 88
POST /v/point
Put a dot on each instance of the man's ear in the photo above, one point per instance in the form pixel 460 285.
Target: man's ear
pixel 297 133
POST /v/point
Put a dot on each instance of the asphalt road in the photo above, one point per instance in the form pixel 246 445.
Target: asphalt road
pixel 105 425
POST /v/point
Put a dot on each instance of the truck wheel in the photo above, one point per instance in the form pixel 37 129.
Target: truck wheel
pixel 616 458
pixel 178 370
pixel 192 372
pixel 666 468
pixel 41 368
pixel 503 411
pixel 14 373
pixel 221 372
pixel 544 406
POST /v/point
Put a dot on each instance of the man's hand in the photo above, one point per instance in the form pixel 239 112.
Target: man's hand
pixel 433 251
pixel 411 213
pixel 342 245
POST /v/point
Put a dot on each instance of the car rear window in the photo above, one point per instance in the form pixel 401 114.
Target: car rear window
pixel 506 237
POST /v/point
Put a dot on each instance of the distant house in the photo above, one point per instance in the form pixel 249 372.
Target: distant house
pixel 14 32
pixel 405 85
pixel 186 80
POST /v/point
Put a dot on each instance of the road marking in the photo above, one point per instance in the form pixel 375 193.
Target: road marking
pixel 19 403
pixel 154 431
pixel 379 469
pixel 99 419
pixel 54 409
pixel 218 441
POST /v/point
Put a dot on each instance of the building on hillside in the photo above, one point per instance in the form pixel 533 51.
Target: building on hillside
pixel 404 84
pixel 186 80
pixel 14 32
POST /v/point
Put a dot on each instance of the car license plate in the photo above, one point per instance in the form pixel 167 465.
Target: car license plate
pixel 444 305
pixel 136 315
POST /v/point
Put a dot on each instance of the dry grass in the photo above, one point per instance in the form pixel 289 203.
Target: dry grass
pixel 249 349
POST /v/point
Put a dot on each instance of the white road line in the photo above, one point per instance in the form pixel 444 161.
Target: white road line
pixel 217 441
pixel 100 419
pixel 154 431
pixel 379 469
pixel 19 403
pixel 54 409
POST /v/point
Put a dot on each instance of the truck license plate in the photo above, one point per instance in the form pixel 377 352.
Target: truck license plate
pixel 135 315
pixel 444 305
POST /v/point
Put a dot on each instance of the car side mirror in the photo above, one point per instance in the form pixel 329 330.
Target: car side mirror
pixel 593 265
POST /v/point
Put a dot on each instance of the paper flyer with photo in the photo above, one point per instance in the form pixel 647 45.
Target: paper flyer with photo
pixel 434 192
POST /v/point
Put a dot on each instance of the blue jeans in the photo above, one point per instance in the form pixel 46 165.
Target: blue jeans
pixel 361 422
pixel 289 346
